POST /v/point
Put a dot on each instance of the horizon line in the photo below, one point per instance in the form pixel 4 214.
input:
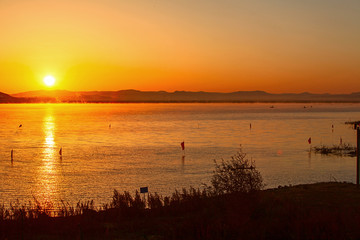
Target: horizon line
pixel 189 91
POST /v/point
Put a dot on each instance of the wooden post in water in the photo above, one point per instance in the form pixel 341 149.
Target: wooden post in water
pixel 357 154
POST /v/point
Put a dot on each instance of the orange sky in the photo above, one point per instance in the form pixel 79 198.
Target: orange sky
pixel 210 45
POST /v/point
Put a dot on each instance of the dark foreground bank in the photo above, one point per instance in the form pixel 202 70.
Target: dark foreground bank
pixel 315 211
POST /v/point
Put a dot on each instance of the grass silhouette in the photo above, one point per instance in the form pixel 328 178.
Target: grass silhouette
pixel 340 150
pixel 314 211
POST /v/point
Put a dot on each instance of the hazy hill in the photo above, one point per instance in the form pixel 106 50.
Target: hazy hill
pixel 177 96
pixel 5 98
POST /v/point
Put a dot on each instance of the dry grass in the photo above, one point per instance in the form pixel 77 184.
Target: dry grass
pixel 340 150
pixel 315 211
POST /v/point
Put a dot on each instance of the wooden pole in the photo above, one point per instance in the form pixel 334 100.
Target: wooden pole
pixel 357 155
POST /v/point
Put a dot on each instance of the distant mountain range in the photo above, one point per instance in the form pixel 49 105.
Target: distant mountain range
pixel 135 96
pixel 5 98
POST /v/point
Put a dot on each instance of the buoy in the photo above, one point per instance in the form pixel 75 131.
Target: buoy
pixel 60 152
pixel 12 154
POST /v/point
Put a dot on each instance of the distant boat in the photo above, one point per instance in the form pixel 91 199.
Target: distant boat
pixel 272 106
pixel 20 125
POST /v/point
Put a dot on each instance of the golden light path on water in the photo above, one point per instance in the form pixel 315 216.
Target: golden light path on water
pixel 47 173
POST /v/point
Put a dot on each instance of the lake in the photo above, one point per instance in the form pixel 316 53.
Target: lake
pixel 128 146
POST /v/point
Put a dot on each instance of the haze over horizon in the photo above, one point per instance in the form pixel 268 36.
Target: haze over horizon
pixel 173 91
pixel 274 46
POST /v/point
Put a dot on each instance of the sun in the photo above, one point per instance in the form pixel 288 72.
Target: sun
pixel 49 81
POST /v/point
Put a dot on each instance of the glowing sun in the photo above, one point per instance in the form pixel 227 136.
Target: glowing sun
pixel 49 81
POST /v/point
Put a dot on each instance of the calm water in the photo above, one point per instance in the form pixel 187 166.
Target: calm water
pixel 142 146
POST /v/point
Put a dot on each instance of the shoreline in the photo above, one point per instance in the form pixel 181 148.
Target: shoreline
pixel 328 210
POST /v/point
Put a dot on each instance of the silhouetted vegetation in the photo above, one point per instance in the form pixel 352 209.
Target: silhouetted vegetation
pixel 340 150
pixel 232 208
pixel 353 122
pixel 238 174
pixel 316 211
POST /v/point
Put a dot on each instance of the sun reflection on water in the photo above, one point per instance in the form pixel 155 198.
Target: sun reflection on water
pixel 47 176
pixel 49 143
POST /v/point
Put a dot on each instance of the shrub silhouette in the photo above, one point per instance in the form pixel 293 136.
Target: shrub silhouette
pixel 238 174
pixel 124 201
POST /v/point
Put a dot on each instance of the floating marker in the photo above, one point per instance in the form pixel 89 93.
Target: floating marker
pixel 183 145
pixel 12 154
pixel 20 125
pixel 60 152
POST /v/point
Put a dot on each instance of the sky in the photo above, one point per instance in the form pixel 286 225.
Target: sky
pixel 278 46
